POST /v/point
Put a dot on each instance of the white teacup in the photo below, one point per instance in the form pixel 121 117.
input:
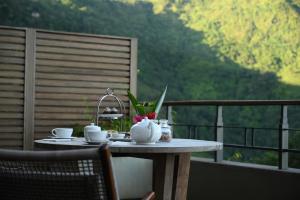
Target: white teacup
pixel 62 132
pixel 96 136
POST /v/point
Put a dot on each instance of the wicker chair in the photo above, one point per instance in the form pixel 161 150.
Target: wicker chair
pixel 84 174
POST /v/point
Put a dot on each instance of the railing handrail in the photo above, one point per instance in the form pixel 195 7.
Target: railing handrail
pixel 283 128
pixel 231 102
pixel 230 126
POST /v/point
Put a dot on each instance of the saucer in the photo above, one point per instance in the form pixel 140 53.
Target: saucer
pixel 98 142
pixel 120 139
pixel 53 137
pixel 117 136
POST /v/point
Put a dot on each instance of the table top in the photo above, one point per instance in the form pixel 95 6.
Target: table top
pixel 174 146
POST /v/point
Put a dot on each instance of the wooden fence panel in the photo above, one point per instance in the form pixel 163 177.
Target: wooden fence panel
pixel 59 77
pixel 72 72
pixel 12 65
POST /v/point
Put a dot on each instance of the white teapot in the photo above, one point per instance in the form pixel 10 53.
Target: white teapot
pixel 93 129
pixel 145 132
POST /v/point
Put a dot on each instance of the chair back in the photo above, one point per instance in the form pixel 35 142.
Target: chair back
pixel 54 175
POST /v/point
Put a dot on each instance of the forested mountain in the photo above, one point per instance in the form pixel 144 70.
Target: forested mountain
pixel 256 34
pixel 203 49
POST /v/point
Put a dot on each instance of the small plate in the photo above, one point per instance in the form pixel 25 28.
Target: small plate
pixel 53 137
pixel 57 140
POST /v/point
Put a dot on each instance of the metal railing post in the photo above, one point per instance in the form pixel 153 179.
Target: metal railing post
pixel 283 156
pixel 169 114
pixel 170 118
pixel 219 133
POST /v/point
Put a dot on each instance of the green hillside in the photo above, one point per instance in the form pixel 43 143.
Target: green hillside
pixel 203 49
pixel 235 41
pixel 256 34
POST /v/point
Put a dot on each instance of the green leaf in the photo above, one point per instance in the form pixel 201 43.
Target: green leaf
pixel 140 109
pixel 149 109
pixel 134 102
pixel 132 98
pixel 160 101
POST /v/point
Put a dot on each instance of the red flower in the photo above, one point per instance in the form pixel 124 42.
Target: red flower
pixel 151 115
pixel 139 118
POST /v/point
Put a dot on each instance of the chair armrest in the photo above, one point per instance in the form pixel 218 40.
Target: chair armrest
pixel 149 196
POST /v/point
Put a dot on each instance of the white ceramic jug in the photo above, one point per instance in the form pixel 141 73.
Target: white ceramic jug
pixel 145 132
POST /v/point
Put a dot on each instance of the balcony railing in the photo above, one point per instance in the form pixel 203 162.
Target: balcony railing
pixel 283 129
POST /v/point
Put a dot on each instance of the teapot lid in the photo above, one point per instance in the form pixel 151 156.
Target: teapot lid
pixel 145 119
pixel 143 122
pixel 92 126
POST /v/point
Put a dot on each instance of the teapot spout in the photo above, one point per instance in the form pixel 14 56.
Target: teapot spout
pixel 155 131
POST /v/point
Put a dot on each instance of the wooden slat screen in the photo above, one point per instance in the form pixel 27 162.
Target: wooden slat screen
pixel 12 64
pixel 71 71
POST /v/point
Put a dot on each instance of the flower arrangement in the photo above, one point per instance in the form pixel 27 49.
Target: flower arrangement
pixel 146 109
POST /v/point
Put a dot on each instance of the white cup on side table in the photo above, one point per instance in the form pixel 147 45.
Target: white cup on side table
pixel 62 132
pixel 92 133
pixel 95 136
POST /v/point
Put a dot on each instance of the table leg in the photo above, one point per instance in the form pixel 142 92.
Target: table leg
pixel 171 175
pixel 181 176
pixel 163 172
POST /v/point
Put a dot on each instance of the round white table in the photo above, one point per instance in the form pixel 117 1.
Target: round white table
pixel 171 160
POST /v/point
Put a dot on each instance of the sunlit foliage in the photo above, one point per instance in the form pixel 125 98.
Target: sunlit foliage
pixel 257 34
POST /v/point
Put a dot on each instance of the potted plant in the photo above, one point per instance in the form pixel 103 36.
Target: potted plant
pixel 146 109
